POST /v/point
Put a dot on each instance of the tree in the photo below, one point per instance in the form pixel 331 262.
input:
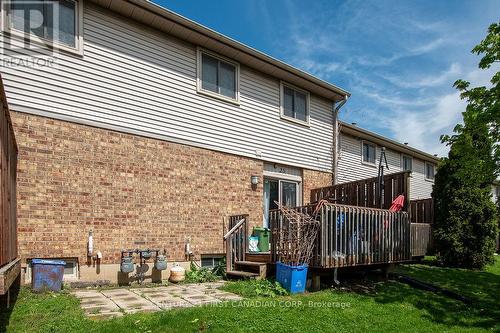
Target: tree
pixel 466 219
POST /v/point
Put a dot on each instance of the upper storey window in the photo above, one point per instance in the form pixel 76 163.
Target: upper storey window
pixel 407 163
pixel 55 23
pixel 294 103
pixel 429 171
pixel 218 77
pixel 369 151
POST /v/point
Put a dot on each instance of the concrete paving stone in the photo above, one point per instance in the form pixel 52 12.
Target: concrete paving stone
pixel 116 293
pixel 101 308
pixel 201 299
pixel 105 315
pixel 213 285
pixel 114 302
pixel 187 292
pixel 86 294
pixel 172 303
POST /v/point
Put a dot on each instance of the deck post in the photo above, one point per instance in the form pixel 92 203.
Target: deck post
pixel 387 270
pixel 315 281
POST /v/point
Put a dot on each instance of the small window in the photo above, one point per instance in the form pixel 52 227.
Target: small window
pixel 218 77
pixel 211 261
pixel 70 269
pixel 369 153
pixel 54 21
pixel 429 171
pixel 294 103
pixel 407 163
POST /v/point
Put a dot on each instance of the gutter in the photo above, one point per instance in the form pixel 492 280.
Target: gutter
pixel 336 110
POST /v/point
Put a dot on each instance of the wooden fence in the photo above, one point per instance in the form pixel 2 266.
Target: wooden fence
pixel 422 211
pixel 351 236
pixel 8 166
pixel 420 239
pixel 365 192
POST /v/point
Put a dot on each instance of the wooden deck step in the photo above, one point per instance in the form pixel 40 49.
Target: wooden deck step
pixel 260 257
pixel 251 263
pixel 242 274
pixel 259 268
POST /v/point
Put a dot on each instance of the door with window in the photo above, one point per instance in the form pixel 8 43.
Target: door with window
pixel 285 192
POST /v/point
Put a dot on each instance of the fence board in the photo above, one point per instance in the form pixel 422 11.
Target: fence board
pixel 422 211
pixel 8 166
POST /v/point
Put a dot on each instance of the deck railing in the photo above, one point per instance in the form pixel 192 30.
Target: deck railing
pixel 351 235
pixel 365 192
pixel 236 240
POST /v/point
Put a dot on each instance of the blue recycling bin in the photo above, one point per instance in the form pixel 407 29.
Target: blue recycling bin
pixel 292 278
pixel 47 274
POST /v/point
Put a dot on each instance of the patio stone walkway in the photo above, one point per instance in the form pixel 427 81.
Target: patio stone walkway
pixel 101 304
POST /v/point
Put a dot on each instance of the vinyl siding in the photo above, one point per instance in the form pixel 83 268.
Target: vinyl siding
pixel 350 166
pixel 138 80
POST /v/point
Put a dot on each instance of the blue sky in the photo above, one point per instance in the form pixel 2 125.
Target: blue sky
pixel 399 59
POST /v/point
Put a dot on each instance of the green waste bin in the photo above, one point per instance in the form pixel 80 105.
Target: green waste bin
pixel 263 235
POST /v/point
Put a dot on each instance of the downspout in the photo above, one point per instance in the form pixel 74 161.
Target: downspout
pixel 336 110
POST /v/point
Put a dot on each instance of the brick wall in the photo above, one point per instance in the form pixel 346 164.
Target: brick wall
pixel 131 191
pixel 314 179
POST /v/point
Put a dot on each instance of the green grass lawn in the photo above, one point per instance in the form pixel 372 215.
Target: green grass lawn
pixel 390 307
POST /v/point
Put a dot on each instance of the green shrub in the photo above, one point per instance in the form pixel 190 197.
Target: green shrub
pixel 256 288
pixel 465 226
pixel 202 274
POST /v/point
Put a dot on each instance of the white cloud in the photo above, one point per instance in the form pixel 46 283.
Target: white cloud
pixel 448 76
pixel 422 129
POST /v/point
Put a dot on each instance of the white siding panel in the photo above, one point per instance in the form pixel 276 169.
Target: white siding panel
pixel 350 167
pixel 138 80
pixel 420 187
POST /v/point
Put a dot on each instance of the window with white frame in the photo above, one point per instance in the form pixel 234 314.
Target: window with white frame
pixel 407 163
pixel 218 76
pixel 369 151
pixel 294 103
pixel 429 171
pixel 57 23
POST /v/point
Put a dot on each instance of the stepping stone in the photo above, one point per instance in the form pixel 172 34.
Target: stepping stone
pixel 117 293
pixel 201 299
pixel 115 302
pixel 105 315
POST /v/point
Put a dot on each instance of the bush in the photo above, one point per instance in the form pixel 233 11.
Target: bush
pixel 465 226
pixel 198 274
pixel 256 288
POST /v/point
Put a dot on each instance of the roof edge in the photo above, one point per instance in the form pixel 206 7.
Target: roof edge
pixel 364 133
pixel 210 33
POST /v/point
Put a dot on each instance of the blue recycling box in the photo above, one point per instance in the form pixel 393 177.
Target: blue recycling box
pixel 292 278
pixel 47 274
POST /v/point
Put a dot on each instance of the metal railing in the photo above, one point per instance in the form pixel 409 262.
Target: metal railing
pixel 236 240
pixel 351 235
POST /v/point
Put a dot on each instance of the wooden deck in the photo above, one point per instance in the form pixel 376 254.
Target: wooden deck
pixel 355 236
